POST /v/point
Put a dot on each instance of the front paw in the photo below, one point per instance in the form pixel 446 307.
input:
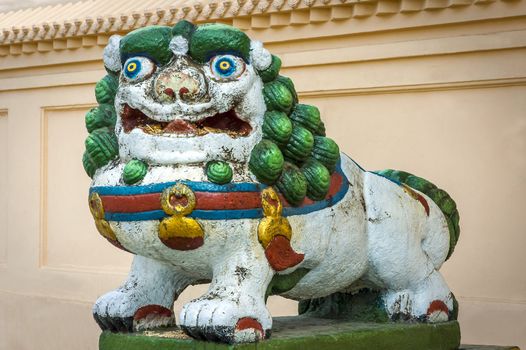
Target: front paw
pixel 126 311
pixel 227 321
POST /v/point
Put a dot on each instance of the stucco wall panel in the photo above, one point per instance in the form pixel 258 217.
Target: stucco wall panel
pixel 67 227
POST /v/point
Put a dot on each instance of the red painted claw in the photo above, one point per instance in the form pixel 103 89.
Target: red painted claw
pixel 280 254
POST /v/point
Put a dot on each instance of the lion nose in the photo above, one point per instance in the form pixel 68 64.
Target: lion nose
pixel 174 84
pixel 170 92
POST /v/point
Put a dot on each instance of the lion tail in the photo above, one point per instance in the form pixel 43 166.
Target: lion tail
pixel 443 200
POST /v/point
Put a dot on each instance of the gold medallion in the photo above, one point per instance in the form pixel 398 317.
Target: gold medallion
pixel 179 201
pixel 273 223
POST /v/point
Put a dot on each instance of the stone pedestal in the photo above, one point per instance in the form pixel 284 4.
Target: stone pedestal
pixel 307 333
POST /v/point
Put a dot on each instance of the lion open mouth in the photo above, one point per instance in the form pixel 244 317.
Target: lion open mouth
pixel 227 123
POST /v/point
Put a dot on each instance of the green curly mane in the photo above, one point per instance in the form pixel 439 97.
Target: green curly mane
pixel 101 143
pixel 294 154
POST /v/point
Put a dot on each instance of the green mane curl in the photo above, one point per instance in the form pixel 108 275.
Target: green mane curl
pixel 294 154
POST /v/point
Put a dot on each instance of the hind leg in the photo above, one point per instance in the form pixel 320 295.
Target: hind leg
pixel 408 242
pixel 412 288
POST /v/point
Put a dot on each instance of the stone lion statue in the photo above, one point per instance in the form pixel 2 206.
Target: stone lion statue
pixel 207 168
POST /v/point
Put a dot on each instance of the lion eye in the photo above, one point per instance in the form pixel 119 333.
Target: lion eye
pixel 227 67
pixel 138 68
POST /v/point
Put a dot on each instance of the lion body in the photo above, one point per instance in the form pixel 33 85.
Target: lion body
pixel 376 236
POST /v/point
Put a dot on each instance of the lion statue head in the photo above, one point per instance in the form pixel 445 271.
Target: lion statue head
pixel 210 95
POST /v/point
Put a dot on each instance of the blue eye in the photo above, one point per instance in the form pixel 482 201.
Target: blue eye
pixel 138 68
pixel 227 67
pixel 132 69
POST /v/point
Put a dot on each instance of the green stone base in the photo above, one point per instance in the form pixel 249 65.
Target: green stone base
pixel 305 333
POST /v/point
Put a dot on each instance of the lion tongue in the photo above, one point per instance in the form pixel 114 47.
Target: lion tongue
pixel 179 126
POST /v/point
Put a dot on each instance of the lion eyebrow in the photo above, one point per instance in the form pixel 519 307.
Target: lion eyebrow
pixel 151 42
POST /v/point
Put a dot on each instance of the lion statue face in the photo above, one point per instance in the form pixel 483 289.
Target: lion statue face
pixel 203 103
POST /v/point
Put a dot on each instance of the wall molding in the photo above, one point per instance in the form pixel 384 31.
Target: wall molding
pixel 407 49
pixel 115 272
pixel 55 298
pixel 47 81
pixel 24 32
pixel 400 89
pixel 490 300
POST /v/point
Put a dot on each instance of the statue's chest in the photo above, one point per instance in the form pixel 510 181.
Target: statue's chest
pixel 175 191
pixel 185 198
pixel 172 205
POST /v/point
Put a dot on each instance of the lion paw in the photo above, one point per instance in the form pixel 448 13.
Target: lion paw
pixel 127 311
pixel 226 321
pixel 406 306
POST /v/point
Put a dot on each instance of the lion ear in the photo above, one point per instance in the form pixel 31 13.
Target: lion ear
pixel 259 56
pixel 111 55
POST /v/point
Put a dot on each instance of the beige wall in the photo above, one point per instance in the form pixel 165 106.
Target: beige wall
pixel 443 97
